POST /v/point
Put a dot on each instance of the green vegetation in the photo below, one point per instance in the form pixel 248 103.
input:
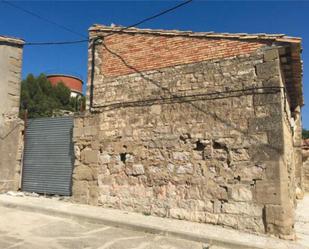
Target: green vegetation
pixel 305 134
pixel 44 100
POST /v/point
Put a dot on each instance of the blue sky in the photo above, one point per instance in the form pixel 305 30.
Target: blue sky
pixel 288 17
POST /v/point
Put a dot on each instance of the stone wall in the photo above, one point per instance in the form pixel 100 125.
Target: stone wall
pixel 306 173
pixel 203 141
pixel 305 158
pixel 11 126
pixel 11 150
pixel 297 141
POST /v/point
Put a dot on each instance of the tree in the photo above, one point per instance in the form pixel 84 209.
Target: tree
pixel 44 100
pixel 305 134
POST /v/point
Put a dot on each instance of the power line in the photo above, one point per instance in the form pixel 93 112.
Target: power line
pixel 43 18
pixel 76 33
pixel 194 97
pixel 54 43
pixel 154 16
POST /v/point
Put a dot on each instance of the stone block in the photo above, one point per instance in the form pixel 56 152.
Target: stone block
pixel 197 155
pixel 239 155
pixel 77 152
pixel 185 169
pixel 242 208
pixel 95 144
pixel 179 213
pixel 138 169
pixel 276 140
pixel 129 158
pixel 91 156
pixel 252 224
pixel 106 180
pixel 240 193
pixel 80 191
pixel 78 132
pixel 194 194
pixel 217 192
pixel 90 130
pixel 180 156
pixel 104 158
pixel 208 152
pixel 257 125
pixel 217 206
pixel 271 101
pixel 170 168
pixel 155 109
pixel 279 219
pixel 228 220
pixel 271 54
pixel 267 69
pixel 78 122
pixel 274 81
pixel 211 218
pixel 115 168
pixel 93 194
pixel 83 172
pixel 220 154
pixel 267 192
pixel 197 216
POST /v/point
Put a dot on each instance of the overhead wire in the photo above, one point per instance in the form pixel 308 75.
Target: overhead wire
pixel 81 35
pixel 110 34
pixel 55 43
pixel 43 18
pixel 153 17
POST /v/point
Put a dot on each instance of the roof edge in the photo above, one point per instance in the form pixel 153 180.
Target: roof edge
pixel 211 34
pixel 12 40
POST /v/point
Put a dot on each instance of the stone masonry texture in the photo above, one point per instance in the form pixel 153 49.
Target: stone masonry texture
pixel 305 157
pixel 11 126
pixel 196 137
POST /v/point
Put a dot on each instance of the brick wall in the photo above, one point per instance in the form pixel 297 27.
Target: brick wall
pixel 147 52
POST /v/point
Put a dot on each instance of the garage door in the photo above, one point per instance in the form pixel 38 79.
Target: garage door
pixel 48 156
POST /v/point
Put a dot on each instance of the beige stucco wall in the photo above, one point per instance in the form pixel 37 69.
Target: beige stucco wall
pixel 10 125
pixel 10 71
pixel 3 79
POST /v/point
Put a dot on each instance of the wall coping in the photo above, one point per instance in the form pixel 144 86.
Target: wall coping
pixel 12 40
pixel 211 34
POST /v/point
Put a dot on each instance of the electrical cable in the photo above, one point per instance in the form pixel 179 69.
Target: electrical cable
pixel 43 18
pixel 152 17
pixel 54 43
pixel 194 97
pixel 79 34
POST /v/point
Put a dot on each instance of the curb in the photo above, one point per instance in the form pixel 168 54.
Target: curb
pixel 225 240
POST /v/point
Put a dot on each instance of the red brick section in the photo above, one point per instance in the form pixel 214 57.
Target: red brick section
pixel 147 52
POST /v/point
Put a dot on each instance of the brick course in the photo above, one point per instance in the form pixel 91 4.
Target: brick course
pixel 148 52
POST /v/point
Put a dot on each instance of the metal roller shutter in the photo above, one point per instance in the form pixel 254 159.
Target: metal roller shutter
pixel 48 156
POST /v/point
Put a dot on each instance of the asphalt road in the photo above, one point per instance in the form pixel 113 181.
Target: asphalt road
pixel 28 230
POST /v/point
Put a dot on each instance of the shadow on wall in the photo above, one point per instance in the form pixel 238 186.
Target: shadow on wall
pixel 170 97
